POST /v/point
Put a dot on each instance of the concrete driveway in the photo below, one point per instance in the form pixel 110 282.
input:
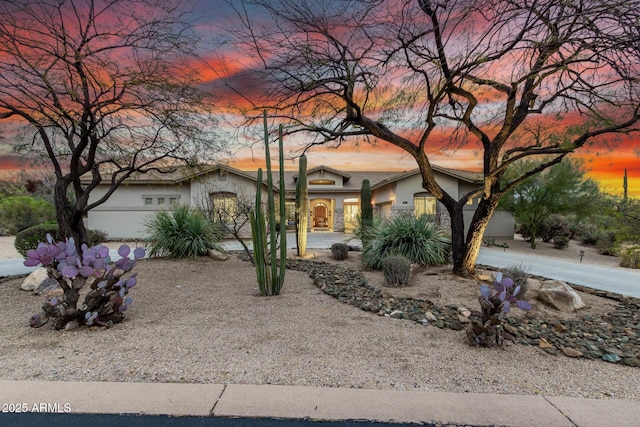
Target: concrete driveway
pixel 618 280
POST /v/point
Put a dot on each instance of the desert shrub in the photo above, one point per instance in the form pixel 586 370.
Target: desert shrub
pixel 181 233
pixel 524 232
pixel 607 244
pixel 421 240
pixel 490 242
pixel 18 213
pixel 29 238
pixel 630 258
pixel 588 233
pixel 340 251
pixel 574 226
pixel 519 274
pixel 561 242
pixel 95 237
pixel 397 271
pixel 556 225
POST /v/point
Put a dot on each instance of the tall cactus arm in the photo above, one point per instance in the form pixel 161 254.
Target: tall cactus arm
pixel 283 229
pixel 302 207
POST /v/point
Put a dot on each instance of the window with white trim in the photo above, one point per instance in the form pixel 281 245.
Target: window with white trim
pixel 424 204
pixel 224 205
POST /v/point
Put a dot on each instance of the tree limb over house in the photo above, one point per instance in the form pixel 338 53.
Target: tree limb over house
pixel 513 79
pixel 104 89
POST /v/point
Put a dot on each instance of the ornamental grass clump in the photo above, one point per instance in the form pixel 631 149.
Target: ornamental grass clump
pixel 182 233
pixel 495 303
pixel 340 251
pixel 397 271
pixel 105 303
pixel 421 240
pixel 520 276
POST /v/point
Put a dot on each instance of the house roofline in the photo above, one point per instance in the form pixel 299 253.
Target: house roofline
pixel 461 175
pixel 346 177
pixel 185 174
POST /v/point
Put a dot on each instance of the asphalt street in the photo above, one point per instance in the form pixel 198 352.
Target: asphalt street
pixel 110 420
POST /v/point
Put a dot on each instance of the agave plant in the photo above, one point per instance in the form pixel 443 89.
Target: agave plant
pixel 182 233
pixel 421 240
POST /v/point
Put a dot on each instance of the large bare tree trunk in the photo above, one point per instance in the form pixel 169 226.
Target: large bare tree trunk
pixel 467 260
pixel 457 239
pixel 68 216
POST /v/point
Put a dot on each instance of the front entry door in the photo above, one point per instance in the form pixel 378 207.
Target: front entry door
pixel 320 219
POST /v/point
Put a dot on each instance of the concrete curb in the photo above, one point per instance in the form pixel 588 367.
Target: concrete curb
pixel 317 403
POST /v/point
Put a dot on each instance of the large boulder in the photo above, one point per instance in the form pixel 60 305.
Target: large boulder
pixel 49 288
pixel 559 295
pixel 217 255
pixel 41 284
pixel 34 279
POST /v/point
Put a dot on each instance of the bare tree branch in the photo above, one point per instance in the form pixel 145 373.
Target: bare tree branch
pixel 103 92
pixel 480 71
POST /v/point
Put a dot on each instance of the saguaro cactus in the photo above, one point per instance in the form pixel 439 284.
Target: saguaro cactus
pixel 302 207
pixel 366 211
pixel 265 246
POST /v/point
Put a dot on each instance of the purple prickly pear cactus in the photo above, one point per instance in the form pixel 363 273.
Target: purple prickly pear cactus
pixel 73 271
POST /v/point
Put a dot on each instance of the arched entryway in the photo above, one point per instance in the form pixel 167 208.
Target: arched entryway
pixel 320 216
pixel 321 211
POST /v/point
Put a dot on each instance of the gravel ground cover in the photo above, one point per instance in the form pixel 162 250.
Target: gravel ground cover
pixel 202 321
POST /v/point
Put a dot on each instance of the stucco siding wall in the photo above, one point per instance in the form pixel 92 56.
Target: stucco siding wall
pixel 123 215
pixel 133 195
pixel 229 183
pixel 407 187
pixel 385 194
pixel 325 175
pixel 122 224
pixel 500 225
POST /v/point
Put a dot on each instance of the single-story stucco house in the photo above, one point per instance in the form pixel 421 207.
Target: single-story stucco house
pixel 334 197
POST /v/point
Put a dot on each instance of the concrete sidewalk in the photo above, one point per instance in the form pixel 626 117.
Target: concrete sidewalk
pixel 296 402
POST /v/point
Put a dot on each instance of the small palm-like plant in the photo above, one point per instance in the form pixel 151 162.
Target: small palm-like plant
pixel 182 233
pixel 421 240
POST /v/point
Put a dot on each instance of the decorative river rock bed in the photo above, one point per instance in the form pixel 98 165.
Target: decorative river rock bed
pixel 613 337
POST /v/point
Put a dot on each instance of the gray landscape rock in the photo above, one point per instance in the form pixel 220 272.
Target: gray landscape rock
pixel 463 319
pixel 464 312
pixel 559 295
pixel 430 316
pixel 217 255
pixel 34 279
pixel 49 288
pixel 570 352
pixel 611 357
pixel 396 314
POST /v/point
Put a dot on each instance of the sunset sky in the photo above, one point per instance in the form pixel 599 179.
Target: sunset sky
pixel 606 163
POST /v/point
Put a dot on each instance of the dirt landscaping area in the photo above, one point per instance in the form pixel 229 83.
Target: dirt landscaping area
pixel 202 321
